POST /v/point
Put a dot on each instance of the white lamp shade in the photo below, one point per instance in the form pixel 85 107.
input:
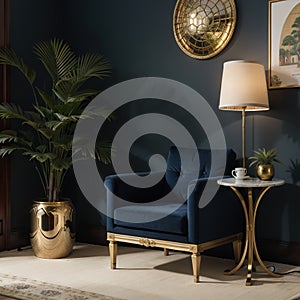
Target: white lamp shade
pixel 243 86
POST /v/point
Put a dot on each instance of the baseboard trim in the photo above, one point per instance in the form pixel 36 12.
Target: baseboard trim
pixel 279 251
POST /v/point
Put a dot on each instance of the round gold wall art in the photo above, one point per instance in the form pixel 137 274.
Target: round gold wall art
pixel 203 28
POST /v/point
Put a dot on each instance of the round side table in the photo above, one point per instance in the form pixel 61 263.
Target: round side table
pixel 250 216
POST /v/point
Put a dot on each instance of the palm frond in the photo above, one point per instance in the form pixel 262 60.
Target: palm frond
pixel 42 148
pixel 97 112
pixel 10 58
pixel 12 111
pixel 60 164
pixel 72 118
pixel 67 92
pixel 64 142
pixel 54 124
pixel 48 100
pixel 68 109
pixel 63 90
pixel 39 156
pixel 79 96
pixel 10 149
pixel 46 132
pixel 57 57
pixel 7 136
pixel 103 150
pixel 45 112
pixel 11 136
pixel 83 149
pixel 90 65
pixel 48 135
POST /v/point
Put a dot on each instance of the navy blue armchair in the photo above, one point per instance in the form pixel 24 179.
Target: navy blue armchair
pixel 193 216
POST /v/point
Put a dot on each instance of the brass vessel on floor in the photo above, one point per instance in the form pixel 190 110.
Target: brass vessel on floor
pixel 52 233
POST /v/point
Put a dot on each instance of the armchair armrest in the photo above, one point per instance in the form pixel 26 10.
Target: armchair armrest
pixel 213 214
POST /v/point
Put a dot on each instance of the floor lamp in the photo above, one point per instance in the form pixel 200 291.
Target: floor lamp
pixel 243 88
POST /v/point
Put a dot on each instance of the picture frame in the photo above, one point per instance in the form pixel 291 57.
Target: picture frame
pixel 284 44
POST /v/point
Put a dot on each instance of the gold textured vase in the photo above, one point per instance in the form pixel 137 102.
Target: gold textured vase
pixel 52 233
pixel 265 172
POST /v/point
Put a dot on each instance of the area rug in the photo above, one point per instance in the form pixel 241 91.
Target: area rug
pixel 28 289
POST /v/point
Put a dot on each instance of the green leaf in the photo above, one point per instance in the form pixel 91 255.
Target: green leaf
pixel 91 65
pixel 84 149
pixel 61 164
pixel 103 150
pixel 54 125
pixel 46 132
pixel 64 142
pixel 41 148
pixel 41 157
pixel 11 111
pixel 11 136
pixel 44 112
pixel 48 100
pixel 83 95
pixel 63 91
pixel 7 136
pixel 263 156
pixel 68 108
pixel 10 58
pixel 9 150
pixel 57 57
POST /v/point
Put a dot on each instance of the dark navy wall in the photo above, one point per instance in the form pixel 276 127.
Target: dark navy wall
pixel 137 37
pixel 31 21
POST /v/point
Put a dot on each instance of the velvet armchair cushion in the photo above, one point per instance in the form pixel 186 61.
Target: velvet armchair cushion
pixel 176 222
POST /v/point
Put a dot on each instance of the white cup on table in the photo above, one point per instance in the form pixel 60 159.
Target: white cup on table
pixel 239 173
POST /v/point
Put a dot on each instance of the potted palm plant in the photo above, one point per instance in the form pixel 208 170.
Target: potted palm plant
pixel 45 133
pixel 264 159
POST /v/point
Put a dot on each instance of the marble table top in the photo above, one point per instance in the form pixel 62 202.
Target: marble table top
pixel 250 182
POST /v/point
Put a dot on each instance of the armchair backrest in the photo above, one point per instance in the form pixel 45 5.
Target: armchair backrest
pixel 175 168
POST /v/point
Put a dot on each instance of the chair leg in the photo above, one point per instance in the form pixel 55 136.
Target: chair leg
pixel 196 260
pixel 113 249
pixel 237 248
pixel 166 251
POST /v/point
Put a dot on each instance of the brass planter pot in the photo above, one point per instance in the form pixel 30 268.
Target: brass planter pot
pixel 52 233
pixel 265 172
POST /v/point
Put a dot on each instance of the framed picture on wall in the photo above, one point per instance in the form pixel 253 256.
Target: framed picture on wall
pixel 284 44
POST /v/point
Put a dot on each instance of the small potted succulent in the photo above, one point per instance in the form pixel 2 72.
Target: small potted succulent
pixel 264 159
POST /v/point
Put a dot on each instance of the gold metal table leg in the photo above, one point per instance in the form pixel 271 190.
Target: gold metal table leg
pixel 262 193
pixel 250 242
pixel 250 237
pixel 240 264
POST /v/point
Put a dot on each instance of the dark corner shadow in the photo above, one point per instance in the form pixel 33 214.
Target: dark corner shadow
pixel 210 268
pixel 294 170
pixel 214 269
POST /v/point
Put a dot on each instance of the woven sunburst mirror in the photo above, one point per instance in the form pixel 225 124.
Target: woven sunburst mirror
pixel 203 28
